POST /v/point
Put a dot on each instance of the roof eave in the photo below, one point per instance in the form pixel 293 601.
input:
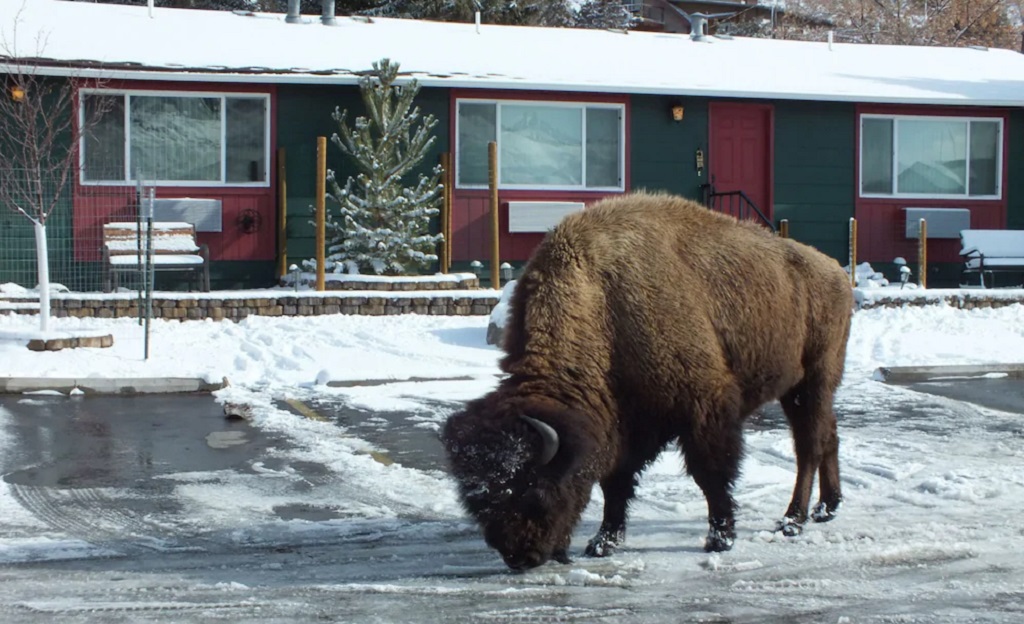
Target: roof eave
pixel 346 77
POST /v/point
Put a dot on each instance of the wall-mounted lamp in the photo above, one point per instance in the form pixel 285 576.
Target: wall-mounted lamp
pixel 677 112
pixel 17 93
pixel 698 161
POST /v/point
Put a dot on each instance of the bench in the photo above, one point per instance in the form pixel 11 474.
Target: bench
pixel 174 249
pixel 990 251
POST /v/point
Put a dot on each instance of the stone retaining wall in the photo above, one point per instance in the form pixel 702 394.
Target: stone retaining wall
pixel 450 295
pixel 963 300
pixel 178 308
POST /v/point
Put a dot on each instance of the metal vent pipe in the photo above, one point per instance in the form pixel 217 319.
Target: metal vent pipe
pixel 327 13
pixel 293 16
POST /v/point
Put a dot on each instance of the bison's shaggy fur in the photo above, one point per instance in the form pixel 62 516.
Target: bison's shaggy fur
pixel 642 321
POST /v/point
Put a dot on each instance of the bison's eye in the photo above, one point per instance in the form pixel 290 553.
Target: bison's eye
pixel 535 502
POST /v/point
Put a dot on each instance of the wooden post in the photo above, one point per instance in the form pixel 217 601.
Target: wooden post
pixel 853 252
pixel 321 212
pixel 784 228
pixel 445 259
pixel 922 254
pixel 282 214
pixel 492 158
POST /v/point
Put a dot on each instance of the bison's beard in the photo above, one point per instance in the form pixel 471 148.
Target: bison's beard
pixel 530 534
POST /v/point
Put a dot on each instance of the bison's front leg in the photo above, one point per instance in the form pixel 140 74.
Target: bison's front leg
pixel 618 490
pixel 606 541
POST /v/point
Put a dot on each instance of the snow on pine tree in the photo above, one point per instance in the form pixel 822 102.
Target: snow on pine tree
pixel 382 226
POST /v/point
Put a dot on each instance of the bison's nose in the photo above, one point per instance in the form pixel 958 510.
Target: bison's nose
pixel 521 562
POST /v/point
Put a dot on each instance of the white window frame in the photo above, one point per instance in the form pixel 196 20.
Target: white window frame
pixel 223 95
pixel 1000 140
pixel 621 108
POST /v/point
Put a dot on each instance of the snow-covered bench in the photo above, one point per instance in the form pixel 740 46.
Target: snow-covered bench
pixel 990 251
pixel 174 249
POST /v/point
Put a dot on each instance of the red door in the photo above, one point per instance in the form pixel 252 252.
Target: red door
pixel 739 153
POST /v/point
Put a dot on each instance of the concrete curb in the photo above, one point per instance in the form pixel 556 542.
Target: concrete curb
pixel 122 386
pixel 913 374
pixel 359 383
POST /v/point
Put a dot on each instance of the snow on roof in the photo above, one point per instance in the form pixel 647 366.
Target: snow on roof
pixel 119 41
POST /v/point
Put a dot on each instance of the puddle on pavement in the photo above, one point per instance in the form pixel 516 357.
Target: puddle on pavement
pixel 1002 393
pixel 121 441
pixel 310 513
pixel 410 438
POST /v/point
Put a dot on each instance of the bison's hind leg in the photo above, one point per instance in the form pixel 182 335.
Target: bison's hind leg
pixel 713 456
pixel 808 408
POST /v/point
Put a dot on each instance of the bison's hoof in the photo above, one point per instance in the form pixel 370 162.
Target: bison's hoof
pixel 721 535
pixel 823 512
pixel 719 541
pixel 604 543
pixel 561 556
pixel 789 527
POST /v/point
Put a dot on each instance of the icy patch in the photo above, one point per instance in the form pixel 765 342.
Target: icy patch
pixel 714 563
pixel 922 554
pixel 24 550
pixel 579 577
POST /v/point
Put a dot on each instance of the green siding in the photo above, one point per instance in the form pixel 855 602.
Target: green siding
pixel 17 233
pixel 1015 172
pixel 814 172
pixel 661 150
pixel 304 113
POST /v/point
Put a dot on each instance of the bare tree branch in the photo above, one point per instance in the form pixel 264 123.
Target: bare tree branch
pixel 40 128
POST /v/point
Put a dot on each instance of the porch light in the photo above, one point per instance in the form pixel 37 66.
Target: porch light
pixel 477 267
pixel 17 93
pixel 677 112
pixel 506 272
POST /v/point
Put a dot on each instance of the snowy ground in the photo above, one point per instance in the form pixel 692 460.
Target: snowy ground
pixel 931 530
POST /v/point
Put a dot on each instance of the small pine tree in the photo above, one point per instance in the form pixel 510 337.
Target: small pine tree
pixel 382 225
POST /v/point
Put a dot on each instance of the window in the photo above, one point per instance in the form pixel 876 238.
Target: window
pixel 182 139
pixel 939 157
pixel 545 145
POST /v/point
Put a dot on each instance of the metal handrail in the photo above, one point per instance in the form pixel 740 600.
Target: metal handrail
pixel 739 205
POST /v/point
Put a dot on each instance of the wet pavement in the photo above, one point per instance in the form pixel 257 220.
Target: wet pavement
pixel 1004 394
pixel 98 441
pixel 101 473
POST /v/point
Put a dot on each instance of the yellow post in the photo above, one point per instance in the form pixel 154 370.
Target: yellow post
pixel 282 214
pixel 445 259
pixel 853 252
pixel 922 255
pixel 784 228
pixel 492 158
pixel 321 212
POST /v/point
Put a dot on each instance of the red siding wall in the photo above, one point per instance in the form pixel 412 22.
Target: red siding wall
pixel 471 224
pixel 881 223
pixel 95 205
pixel 881 228
pixel 471 216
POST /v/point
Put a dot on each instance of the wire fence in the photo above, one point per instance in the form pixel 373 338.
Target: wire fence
pixel 74 230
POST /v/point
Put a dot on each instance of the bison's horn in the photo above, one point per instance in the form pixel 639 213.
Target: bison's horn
pixel 548 435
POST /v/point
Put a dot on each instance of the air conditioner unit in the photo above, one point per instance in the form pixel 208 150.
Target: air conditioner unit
pixel 538 216
pixel 205 214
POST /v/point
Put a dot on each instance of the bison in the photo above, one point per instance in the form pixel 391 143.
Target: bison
pixel 648 319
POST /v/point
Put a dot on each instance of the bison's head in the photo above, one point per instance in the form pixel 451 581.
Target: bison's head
pixel 517 463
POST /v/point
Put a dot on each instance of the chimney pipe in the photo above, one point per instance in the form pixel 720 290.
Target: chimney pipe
pixel 293 12
pixel 327 13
